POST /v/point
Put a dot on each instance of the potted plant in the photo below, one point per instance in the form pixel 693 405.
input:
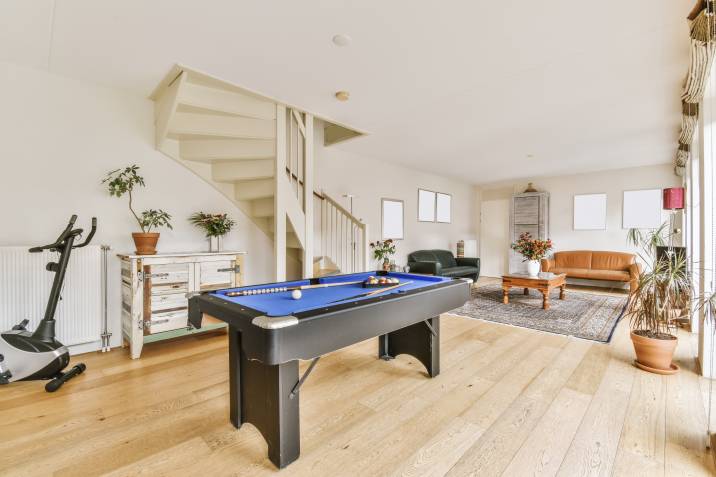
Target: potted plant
pixel 662 297
pixel 382 251
pixel 533 250
pixel 123 181
pixel 215 226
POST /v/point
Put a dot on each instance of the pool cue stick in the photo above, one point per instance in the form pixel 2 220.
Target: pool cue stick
pixel 371 293
pixel 265 291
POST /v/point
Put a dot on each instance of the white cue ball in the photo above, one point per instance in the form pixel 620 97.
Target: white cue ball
pixel 296 294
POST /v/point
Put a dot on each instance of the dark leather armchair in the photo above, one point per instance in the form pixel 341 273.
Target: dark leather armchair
pixel 443 263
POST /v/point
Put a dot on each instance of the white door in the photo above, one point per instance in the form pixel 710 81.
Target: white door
pixel 494 237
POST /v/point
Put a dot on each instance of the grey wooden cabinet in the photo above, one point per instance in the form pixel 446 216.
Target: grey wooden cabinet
pixel 529 212
pixel 155 287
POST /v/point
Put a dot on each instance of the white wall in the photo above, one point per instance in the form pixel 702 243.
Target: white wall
pixel 339 172
pixel 60 137
pixel 562 190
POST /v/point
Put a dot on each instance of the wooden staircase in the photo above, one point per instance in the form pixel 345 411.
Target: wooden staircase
pixel 256 151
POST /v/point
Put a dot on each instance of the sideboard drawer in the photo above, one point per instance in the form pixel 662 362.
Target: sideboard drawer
pixel 170 289
pixel 168 273
pixel 168 302
pixel 167 321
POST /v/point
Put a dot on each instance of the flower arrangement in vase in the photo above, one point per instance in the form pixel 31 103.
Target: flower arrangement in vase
pixel 215 226
pixel 533 250
pixel 123 181
pixel 382 251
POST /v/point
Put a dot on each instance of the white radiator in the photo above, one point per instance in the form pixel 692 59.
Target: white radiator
pixel 25 285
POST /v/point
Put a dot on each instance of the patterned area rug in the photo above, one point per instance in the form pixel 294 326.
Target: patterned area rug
pixel 581 314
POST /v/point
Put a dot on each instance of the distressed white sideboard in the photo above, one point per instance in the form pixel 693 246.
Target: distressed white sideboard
pixel 155 287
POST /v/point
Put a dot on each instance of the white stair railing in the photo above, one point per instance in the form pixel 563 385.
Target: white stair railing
pixel 344 238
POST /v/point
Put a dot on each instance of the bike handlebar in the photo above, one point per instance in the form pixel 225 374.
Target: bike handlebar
pixel 91 234
pixel 67 232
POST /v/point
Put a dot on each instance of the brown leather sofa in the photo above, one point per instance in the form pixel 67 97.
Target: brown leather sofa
pixel 594 265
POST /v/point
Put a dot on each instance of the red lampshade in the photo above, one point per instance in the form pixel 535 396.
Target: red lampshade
pixel 674 198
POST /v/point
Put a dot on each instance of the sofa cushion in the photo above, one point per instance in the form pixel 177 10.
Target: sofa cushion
pixel 612 260
pixel 615 275
pixel 422 256
pixel 445 258
pixel 571 272
pixel 460 271
pixel 576 259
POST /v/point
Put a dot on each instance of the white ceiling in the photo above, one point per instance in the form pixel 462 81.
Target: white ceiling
pixel 463 88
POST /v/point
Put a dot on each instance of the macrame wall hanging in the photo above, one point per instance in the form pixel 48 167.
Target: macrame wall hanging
pixel 702 22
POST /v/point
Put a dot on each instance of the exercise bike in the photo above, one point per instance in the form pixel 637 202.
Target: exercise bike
pixel 27 356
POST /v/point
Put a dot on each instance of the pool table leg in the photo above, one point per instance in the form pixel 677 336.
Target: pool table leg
pixel 416 340
pixel 383 348
pixel 260 395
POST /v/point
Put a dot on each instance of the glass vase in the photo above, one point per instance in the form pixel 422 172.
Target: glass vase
pixel 216 243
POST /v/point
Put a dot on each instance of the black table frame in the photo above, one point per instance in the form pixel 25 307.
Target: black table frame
pixel 263 363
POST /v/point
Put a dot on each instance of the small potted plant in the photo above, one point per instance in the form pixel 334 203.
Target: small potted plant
pixel 123 181
pixel 662 297
pixel 215 226
pixel 382 251
pixel 533 250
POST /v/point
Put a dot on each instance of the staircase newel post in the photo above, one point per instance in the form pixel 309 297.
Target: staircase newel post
pixel 280 195
pixel 365 252
pixel 308 160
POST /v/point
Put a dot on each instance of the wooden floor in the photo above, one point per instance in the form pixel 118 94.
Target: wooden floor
pixel 509 401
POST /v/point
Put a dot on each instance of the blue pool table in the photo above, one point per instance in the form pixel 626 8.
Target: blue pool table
pixel 270 332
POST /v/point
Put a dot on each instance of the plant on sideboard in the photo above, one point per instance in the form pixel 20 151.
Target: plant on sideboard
pixel 382 251
pixel 662 296
pixel 533 250
pixel 215 226
pixel 123 181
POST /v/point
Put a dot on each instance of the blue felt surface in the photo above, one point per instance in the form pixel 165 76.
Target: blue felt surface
pixel 281 304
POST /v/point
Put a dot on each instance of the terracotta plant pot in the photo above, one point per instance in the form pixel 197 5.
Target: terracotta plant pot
pixel 146 244
pixel 654 353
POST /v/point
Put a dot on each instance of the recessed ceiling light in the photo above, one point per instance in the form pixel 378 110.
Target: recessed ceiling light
pixel 342 95
pixel 342 40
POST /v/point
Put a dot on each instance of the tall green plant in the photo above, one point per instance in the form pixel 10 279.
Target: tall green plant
pixel 664 288
pixel 123 181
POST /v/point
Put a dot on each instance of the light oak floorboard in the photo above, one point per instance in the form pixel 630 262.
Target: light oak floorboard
pixel 509 401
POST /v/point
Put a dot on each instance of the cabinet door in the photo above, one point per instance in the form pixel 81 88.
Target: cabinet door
pixel 529 214
pixel 165 303
pixel 526 210
pixel 213 275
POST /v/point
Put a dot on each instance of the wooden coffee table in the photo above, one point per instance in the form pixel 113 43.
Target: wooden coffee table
pixel 544 282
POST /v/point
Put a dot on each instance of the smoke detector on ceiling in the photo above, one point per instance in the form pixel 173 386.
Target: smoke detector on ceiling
pixel 342 40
